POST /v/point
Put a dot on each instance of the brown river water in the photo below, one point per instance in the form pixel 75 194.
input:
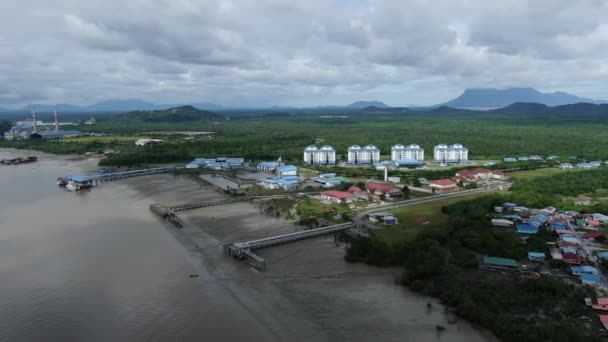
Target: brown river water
pixel 97 266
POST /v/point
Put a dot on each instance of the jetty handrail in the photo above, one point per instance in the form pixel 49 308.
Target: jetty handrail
pixel 292 236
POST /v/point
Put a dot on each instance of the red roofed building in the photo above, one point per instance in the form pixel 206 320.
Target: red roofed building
pixel 383 189
pixel 354 189
pixel 479 174
pixel 337 196
pixel 572 259
pixel 444 185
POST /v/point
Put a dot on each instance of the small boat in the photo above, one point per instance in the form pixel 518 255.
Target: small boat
pixel 439 327
pixel 194 276
pixel 429 305
pixel 78 185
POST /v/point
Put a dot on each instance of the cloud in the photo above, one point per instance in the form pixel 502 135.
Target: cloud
pixel 242 52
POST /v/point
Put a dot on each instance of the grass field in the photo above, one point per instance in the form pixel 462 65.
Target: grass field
pixel 415 218
pixel 550 171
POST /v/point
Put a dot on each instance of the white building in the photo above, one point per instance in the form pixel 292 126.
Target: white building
pixel 367 155
pixel 287 170
pixel 450 153
pixel 325 155
pixel 145 142
pixel 413 151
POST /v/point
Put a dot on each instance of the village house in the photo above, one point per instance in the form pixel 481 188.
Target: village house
pixel 378 189
pixel 443 185
pixel 479 175
pixel 337 196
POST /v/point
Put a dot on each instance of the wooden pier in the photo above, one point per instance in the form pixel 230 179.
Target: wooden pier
pixel 244 250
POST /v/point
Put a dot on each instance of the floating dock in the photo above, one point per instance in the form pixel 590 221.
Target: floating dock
pixel 244 250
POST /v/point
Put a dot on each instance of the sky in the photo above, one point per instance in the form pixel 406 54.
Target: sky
pixel 297 53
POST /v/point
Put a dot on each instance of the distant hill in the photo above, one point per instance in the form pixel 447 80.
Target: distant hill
pixel 448 109
pixel 374 109
pixel 121 105
pixel 363 104
pixel 495 98
pixel 49 108
pixel 577 109
pixel 177 114
pixel 111 106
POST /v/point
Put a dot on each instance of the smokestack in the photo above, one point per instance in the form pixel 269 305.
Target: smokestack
pixel 386 173
pixel 56 119
pixel 34 117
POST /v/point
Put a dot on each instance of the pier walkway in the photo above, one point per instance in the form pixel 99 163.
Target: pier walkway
pixel 97 178
pixel 243 250
pixel 190 206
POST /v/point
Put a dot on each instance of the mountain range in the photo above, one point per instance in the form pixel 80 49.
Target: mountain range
pixel 475 98
pixel 490 98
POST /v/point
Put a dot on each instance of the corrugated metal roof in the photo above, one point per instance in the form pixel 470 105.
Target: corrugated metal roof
pixel 489 260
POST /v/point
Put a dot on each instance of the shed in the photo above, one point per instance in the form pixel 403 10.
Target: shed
pixel 502 223
pixel 383 217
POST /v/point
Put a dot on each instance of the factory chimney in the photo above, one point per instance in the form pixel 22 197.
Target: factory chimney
pixel 386 173
pixel 56 119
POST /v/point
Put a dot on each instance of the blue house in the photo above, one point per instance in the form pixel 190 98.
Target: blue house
pixel 509 160
pixel 526 228
pixel 591 279
pixel 558 225
pixel 602 255
pixel 579 270
pixel 536 256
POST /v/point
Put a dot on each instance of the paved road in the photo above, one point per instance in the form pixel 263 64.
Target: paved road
pixel 359 219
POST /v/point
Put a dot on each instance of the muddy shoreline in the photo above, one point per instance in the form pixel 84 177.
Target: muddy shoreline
pixel 308 291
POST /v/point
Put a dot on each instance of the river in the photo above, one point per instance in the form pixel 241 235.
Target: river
pixel 97 266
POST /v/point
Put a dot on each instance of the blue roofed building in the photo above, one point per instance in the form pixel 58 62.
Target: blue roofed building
pixel 408 163
pixel 526 228
pixel 286 183
pixel 566 166
pixel 602 255
pixel 287 170
pixel 578 270
pixel 558 225
pixel 509 160
pixel 591 279
pixel 536 256
pixel 268 166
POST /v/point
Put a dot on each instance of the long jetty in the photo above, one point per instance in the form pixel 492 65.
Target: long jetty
pixel 190 206
pixel 169 213
pixel 97 178
pixel 244 250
